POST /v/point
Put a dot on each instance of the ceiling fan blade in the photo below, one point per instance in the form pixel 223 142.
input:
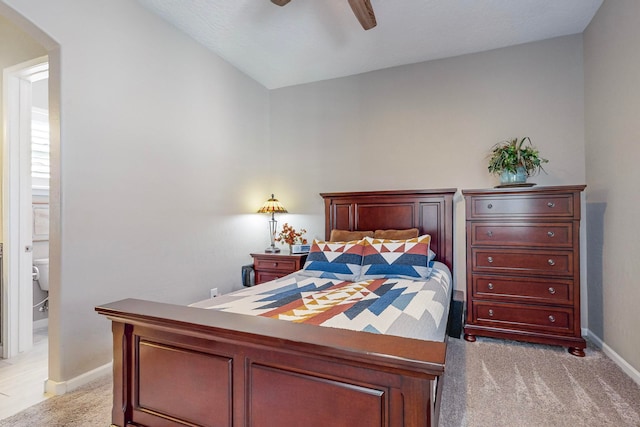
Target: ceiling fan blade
pixel 364 12
pixel 280 2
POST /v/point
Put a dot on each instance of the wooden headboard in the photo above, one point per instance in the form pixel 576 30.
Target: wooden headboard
pixel 431 211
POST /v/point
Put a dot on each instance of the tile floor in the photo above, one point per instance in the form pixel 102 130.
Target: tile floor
pixel 22 377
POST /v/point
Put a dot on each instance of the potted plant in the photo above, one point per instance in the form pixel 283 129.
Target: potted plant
pixel 515 160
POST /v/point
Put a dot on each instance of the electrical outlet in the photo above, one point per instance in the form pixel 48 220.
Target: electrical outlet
pixel 214 293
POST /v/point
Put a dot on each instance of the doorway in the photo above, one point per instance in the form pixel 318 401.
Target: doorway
pixel 32 42
pixel 25 105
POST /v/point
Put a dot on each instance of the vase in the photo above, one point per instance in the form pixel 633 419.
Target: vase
pixel 518 177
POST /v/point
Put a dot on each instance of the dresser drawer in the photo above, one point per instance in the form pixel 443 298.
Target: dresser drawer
pixel 275 264
pixel 523 289
pixel 522 261
pixel 524 317
pixel 541 234
pixel 521 205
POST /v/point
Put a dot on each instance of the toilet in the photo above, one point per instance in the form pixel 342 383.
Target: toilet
pixel 41 273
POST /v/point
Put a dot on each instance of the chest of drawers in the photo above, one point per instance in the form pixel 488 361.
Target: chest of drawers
pixel 523 265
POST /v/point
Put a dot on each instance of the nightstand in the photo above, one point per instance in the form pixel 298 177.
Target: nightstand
pixel 269 266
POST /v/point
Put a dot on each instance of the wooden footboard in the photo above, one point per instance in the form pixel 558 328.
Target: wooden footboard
pixel 176 366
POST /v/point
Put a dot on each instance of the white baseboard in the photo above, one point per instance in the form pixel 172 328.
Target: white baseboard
pixel 57 388
pixel 586 333
pixel 618 360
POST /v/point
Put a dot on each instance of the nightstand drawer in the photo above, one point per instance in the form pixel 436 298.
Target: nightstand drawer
pixel 522 234
pixel 270 266
pixel 523 261
pixel 266 276
pixel 524 317
pixel 275 264
pixel 529 205
pixel 523 289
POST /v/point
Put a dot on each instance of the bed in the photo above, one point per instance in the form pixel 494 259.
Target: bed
pixel 177 365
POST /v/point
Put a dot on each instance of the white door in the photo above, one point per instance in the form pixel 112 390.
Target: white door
pixel 17 301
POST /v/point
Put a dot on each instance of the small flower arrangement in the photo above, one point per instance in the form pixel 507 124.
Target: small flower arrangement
pixel 290 236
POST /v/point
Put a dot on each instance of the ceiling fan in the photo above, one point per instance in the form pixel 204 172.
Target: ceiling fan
pixel 361 8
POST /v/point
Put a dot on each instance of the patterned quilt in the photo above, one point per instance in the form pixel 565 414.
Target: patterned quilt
pixel 403 307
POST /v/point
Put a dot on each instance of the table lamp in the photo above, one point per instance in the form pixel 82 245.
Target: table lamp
pixel 272 206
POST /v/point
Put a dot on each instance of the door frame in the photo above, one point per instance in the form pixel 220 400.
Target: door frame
pixel 17 284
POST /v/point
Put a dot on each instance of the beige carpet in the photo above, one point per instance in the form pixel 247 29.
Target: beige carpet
pixel 488 383
pixel 518 384
pixel 88 406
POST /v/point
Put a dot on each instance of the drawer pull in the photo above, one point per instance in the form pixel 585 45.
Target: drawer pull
pixel 490 259
pixel 490 233
pixel 551 234
pixel 489 206
pixel 552 291
pixel 551 262
pixel 552 319
pixel 275 264
pixel 551 205
pixel 491 313
pixel 490 286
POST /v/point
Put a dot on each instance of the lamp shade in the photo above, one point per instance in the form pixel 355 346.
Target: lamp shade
pixel 272 206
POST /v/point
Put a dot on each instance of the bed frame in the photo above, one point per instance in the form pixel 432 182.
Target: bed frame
pixel 182 366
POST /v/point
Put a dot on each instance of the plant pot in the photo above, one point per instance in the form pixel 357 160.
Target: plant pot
pixel 519 177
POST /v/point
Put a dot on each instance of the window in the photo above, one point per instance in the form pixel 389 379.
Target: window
pixel 40 151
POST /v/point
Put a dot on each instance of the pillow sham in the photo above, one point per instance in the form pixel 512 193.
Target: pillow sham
pixel 408 233
pixel 346 235
pixel 402 259
pixel 334 260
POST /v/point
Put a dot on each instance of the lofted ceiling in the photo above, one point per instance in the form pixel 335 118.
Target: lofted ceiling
pixel 311 40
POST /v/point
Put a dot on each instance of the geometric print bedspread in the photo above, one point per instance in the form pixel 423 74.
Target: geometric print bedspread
pixel 403 307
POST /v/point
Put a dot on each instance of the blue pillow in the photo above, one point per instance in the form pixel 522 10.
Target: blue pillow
pixel 334 260
pixel 402 259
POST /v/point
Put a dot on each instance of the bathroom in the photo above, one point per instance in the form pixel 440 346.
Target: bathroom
pixel 25 224
pixel 40 271
pixel 40 204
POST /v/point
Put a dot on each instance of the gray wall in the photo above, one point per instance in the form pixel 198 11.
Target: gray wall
pixel 161 168
pixel 612 96
pixel 430 125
